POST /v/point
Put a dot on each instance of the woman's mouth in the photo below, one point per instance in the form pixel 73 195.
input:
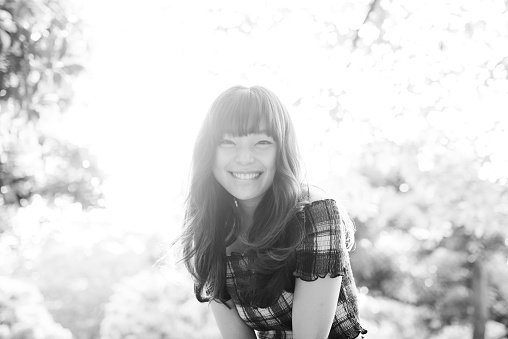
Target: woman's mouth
pixel 246 175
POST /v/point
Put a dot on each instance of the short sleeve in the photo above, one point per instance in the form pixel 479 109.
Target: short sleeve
pixel 323 250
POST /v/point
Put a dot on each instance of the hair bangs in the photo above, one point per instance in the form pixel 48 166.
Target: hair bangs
pixel 245 112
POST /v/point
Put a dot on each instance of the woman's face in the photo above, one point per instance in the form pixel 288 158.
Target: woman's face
pixel 245 165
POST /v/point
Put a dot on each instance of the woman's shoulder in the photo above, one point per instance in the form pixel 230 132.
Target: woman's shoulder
pixel 324 216
pixel 319 204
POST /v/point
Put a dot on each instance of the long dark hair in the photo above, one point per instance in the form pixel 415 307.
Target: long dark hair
pixel 211 213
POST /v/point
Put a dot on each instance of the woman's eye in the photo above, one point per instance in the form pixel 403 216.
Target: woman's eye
pixel 264 143
pixel 226 143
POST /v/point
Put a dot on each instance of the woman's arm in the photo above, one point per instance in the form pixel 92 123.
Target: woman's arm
pixel 315 302
pixel 231 326
pixel 314 306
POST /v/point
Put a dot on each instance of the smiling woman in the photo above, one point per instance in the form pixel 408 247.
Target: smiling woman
pixel 245 166
pixel 268 252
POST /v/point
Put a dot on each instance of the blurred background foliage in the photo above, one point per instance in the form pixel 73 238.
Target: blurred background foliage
pixel 401 112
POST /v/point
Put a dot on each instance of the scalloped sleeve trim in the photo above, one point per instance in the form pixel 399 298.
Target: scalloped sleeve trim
pixel 322 251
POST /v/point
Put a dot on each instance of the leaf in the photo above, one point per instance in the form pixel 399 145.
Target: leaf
pixel 73 69
pixel 6 22
pixel 5 39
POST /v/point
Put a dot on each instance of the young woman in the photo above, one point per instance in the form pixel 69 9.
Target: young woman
pixel 269 253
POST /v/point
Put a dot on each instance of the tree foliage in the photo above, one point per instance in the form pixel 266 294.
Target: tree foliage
pixel 436 175
pixel 150 305
pixel 77 281
pixel 23 314
pixel 41 50
pixel 41 53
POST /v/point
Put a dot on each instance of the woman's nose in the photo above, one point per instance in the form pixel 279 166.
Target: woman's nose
pixel 244 155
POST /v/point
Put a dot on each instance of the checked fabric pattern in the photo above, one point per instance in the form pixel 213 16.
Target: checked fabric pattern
pixel 322 252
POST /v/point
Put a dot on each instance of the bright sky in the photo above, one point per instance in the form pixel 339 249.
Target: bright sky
pixel 155 68
pixel 153 73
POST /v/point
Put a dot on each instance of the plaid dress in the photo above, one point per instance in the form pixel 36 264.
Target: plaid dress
pixel 322 252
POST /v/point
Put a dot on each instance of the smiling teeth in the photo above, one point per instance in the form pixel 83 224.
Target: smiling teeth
pixel 245 176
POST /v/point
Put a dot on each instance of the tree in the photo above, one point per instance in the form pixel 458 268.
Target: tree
pixel 77 278
pixel 153 305
pixel 41 52
pixel 23 315
pixel 440 190
pixel 41 47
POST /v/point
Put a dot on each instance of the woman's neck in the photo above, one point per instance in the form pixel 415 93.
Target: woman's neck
pixel 247 209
